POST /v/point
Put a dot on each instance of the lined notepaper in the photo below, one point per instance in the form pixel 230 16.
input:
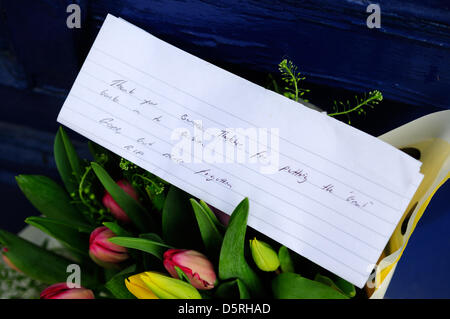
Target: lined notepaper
pixel 324 189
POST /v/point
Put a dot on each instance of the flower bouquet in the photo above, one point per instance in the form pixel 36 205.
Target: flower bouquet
pixel 125 233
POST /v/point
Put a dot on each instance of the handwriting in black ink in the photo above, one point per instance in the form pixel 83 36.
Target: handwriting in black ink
pixel 120 84
pixel 300 174
pixel 110 97
pixel 108 122
pixel 211 177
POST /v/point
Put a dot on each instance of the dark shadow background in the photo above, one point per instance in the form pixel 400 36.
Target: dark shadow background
pixel 408 59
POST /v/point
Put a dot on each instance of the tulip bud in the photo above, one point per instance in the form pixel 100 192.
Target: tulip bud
pixel 195 265
pixel 102 251
pixel 62 291
pixel 138 288
pixel 8 261
pixel 264 256
pixel 115 209
pixel 165 287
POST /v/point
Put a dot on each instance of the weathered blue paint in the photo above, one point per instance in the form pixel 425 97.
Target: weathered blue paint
pixel 408 59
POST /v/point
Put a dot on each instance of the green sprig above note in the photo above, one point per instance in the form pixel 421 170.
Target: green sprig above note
pixel 292 88
pixel 134 235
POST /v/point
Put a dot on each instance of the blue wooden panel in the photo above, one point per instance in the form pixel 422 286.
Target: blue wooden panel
pixel 408 59
pixel 40 41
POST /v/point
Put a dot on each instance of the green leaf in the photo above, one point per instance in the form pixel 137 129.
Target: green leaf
pixel 212 216
pixel 149 246
pixel 212 238
pixel 153 237
pixel 156 193
pixel 41 264
pixel 179 226
pixel 234 289
pixel 327 281
pixel 346 287
pixel 63 164
pixel 150 261
pixel 49 198
pixel 67 161
pixel 116 285
pixel 71 237
pixel 117 229
pixel 293 286
pixel 232 263
pixel 134 210
pixel 182 275
pixel 99 153
pixel 286 263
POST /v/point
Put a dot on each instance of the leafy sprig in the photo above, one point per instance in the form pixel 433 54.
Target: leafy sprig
pixel 292 78
pixel 359 106
pixel 292 89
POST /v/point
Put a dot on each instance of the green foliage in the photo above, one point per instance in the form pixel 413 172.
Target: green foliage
pixel 164 217
pixel 232 263
pixel 39 263
pixel 145 182
pixel 67 161
pixel 67 234
pixel 131 207
pixel 116 284
pixel 346 287
pixel 117 229
pixel 179 227
pixel 359 106
pixel 286 263
pixel 293 286
pixel 292 78
pixel 155 248
pixel 49 198
pixel 234 289
pixel 207 222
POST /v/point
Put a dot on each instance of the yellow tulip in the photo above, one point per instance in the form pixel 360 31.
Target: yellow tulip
pixel 166 287
pixel 138 288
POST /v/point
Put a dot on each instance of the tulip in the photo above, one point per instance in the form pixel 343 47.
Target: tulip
pixel 264 256
pixel 165 287
pixel 8 261
pixel 102 251
pixel 115 209
pixel 62 291
pixel 138 288
pixel 195 265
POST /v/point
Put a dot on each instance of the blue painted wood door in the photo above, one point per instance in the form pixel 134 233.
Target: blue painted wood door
pixel 408 58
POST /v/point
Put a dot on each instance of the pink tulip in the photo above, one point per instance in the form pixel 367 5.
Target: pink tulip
pixel 115 209
pixel 102 251
pixel 62 291
pixel 195 265
pixel 8 261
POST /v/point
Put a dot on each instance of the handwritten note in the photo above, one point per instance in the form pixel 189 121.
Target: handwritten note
pixel 324 189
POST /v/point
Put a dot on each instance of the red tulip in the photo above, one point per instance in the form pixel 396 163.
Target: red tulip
pixel 115 209
pixel 195 265
pixel 102 251
pixel 8 261
pixel 62 291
